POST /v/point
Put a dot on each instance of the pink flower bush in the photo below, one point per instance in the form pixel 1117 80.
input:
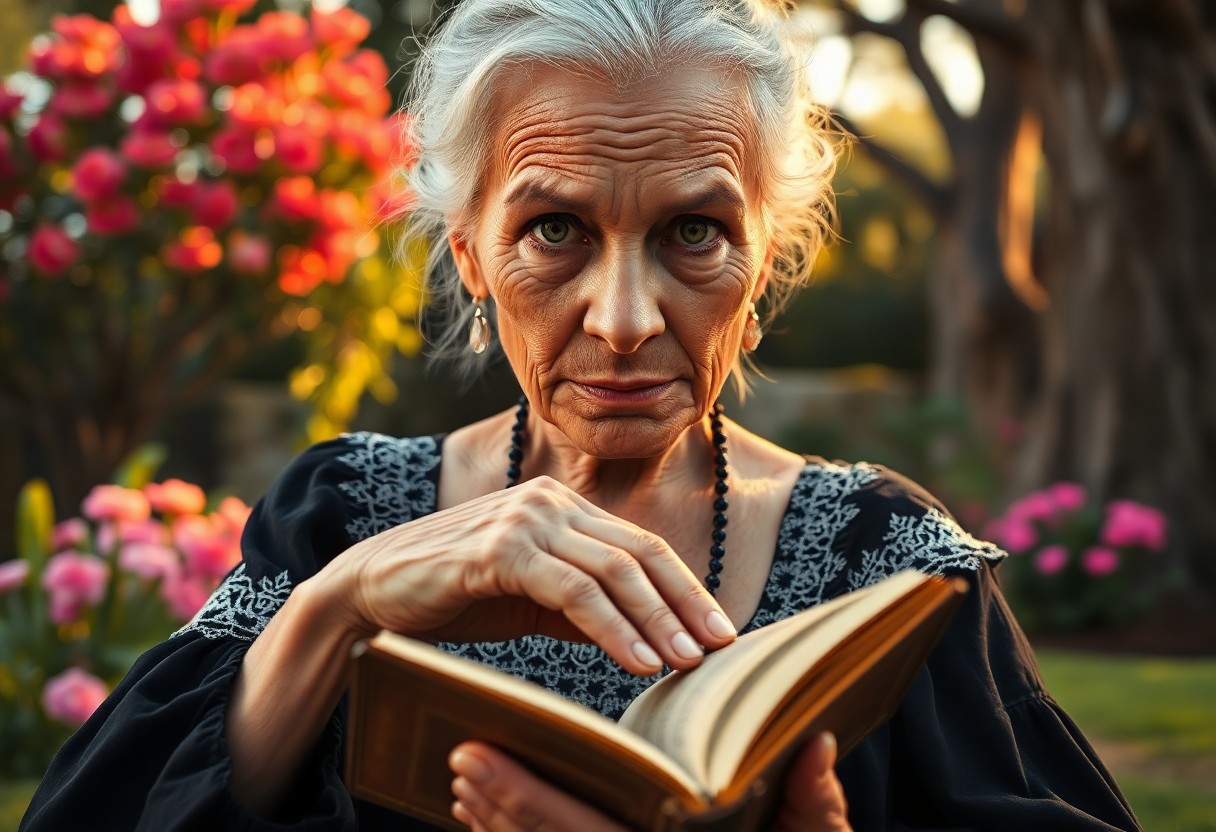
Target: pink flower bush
pixel 73 696
pixel 113 502
pixel 1092 565
pixel 52 251
pixel 74 581
pixel 175 497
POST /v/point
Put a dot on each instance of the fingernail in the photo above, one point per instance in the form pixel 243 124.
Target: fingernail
pixel 644 653
pixel 719 625
pixel 470 767
pixel 827 740
pixel 685 647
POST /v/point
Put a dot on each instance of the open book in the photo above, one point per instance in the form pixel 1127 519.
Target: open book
pixel 700 749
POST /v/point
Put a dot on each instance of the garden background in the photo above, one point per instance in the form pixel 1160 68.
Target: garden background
pixel 198 277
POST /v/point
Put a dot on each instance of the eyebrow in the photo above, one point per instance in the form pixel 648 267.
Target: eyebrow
pixel 716 193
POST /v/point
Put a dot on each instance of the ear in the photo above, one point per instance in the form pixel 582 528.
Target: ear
pixel 468 265
pixel 766 271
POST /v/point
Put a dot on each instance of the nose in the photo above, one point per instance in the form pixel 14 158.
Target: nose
pixel 623 303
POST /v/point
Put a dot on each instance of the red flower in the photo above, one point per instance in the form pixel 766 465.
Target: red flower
pixel 298 150
pixel 10 103
pixel 341 30
pixel 286 35
pixel 301 270
pixel 82 99
pixel 194 251
pixel 112 216
pixel 48 138
pixel 253 106
pixel 241 57
pixel 98 174
pixel 215 205
pixel 295 198
pixel 148 148
pixel 51 250
pixel 237 149
pixel 358 81
pixel 177 194
pixel 177 12
pixel 173 102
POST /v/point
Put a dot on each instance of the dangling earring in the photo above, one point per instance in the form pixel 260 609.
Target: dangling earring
pixel 752 334
pixel 479 333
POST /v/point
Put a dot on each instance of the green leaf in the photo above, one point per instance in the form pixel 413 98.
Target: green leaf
pixel 138 469
pixel 35 519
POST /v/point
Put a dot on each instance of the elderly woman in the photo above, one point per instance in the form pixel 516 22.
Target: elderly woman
pixel 616 185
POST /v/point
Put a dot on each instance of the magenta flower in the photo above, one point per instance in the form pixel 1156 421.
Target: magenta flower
pixel 1017 535
pixel 174 101
pixel 248 253
pixel 210 548
pixel 13 574
pixel 1037 505
pixel 112 216
pixel 74 581
pixel 113 502
pixel 48 138
pixel 51 251
pixel 148 148
pixel 1129 523
pixel 98 174
pixel 150 561
pixel 1067 496
pixel 1051 559
pixel 1099 561
pixel 215 205
pixel 73 696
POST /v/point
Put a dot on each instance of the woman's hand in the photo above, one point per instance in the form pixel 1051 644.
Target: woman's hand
pixel 537 558
pixel 496 794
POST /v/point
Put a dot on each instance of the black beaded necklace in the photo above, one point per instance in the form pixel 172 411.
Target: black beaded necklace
pixel 713 579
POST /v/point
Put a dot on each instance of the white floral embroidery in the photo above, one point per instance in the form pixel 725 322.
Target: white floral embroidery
pixel 396 484
pixel 930 542
pixel 238 608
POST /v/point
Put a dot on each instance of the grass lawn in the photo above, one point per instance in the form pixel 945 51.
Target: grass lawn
pixel 1153 722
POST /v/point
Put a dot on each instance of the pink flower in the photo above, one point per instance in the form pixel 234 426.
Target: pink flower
pixel 1051 559
pixel 82 99
pixel 73 696
pixel 1129 523
pixel 235 513
pixel 13 574
pixel 148 148
pixel 98 174
pixel 295 198
pixel 174 101
pixel 215 205
pixel 237 149
pixel 298 150
pixel 175 497
pixel 1067 496
pixel 177 12
pixel 113 502
pixel 150 561
pixel 285 35
pixel 1037 505
pixel 358 81
pixel 74 581
pixel 195 250
pixel 141 531
pixel 1017 536
pixel 1099 561
pixel 248 253
pixel 51 251
pixel 10 103
pixel 210 548
pixel 177 194
pixel 70 534
pixel 185 595
pixel 112 216
pixel 241 57
pixel 341 30
pixel 48 138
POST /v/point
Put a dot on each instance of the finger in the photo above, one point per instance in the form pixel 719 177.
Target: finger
pixel 675 583
pixel 630 589
pixel 814 798
pixel 503 796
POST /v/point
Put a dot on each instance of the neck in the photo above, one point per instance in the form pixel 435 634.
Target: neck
pixel 615 484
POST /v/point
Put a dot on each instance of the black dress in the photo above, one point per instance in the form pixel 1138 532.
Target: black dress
pixel 977 744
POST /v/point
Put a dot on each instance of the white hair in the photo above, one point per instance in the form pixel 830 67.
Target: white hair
pixel 626 40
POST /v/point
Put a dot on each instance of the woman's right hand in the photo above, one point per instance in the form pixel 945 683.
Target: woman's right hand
pixel 536 558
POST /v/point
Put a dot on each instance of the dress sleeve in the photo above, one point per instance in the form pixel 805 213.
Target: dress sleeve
pixel 978 743
pixel 154 755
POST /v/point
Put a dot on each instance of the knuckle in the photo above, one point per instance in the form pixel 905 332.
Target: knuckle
pixel 648 544
pixel 661 618
pixel 576 588
pixel 618 566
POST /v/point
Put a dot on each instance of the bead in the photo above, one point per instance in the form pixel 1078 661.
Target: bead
pixel 719 438
pixel 721 504
pixel 516 455
pixel 720 472
pixel 712 581
pixel 513 473
pixel 715 565
pixel 717 550
pixel 718 535
pixel 720 459
pixel 721 487
pixel 719 520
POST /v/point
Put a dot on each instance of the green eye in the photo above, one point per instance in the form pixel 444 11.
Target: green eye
pixel 552 230
pixel 694 232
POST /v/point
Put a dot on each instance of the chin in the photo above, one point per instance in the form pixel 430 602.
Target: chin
pixel 625 436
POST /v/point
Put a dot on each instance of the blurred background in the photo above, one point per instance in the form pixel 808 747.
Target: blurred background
pixel 198 278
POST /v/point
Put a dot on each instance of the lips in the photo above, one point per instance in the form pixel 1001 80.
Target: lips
pixel 624 391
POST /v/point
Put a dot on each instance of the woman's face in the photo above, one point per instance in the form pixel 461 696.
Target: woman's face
pixel 619 234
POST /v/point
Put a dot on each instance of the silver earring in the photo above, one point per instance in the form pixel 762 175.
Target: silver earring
pixel 752 333
pixel 479 333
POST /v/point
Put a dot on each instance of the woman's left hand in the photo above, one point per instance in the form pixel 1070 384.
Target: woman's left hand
pixel 496 794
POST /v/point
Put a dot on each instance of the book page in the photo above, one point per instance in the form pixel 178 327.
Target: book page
pixel 718 708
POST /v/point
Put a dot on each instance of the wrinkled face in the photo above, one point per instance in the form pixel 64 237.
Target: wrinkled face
pixel 619 234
